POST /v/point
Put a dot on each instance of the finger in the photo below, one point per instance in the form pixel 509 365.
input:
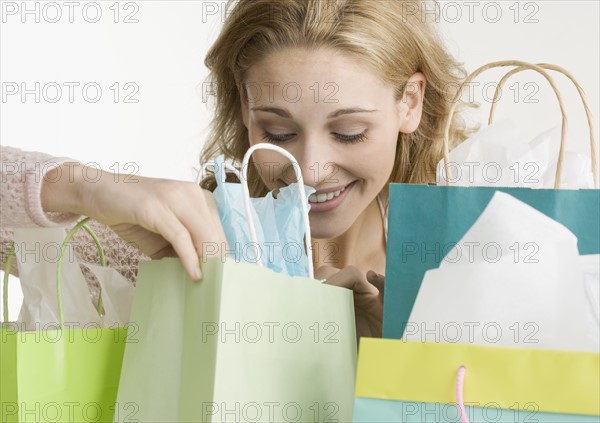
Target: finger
pixel 376 280
pixel 169 226
pixel 207 235
pixel 325 272
pixel 352 278
pixel 167 251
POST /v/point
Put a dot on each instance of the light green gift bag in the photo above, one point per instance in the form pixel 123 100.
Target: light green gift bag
pixel 62 372
pixel 245 343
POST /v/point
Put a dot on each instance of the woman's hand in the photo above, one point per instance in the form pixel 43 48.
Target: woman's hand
pixel 161 217
pixel 368 296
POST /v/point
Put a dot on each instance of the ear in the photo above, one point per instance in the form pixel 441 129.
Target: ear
pixel 244 104
pixel 410 106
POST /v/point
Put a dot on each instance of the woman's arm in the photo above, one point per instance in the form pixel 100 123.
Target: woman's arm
pixel 26 200
pixel 159 217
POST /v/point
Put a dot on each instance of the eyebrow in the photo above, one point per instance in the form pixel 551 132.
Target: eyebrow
pixel 284 113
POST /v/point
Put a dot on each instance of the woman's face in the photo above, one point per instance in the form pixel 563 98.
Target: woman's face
pixel 340 123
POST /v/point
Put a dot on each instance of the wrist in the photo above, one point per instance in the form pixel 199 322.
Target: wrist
pixel 62 189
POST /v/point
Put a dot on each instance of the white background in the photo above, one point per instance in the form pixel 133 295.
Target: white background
pixel 163 56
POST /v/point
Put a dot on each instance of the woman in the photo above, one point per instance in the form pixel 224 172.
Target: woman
pixel 356 90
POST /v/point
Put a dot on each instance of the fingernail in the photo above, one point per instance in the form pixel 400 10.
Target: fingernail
pixel 197 274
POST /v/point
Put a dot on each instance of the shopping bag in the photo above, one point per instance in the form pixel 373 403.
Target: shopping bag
pixel 401 381
pixel 539 294
pixel 498 156
pixel 426 222
pixel 245 343
pixel 66 370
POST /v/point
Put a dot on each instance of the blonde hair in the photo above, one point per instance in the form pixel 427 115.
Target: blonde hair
pixel 386 35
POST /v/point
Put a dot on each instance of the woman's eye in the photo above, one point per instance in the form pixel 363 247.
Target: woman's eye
pixel 277 138
pixel 352 138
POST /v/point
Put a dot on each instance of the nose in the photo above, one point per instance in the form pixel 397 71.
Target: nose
pixel 316 161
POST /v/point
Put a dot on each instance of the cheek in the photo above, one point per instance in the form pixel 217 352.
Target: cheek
pixel 390 159
pixel 390 145
pixel 378 156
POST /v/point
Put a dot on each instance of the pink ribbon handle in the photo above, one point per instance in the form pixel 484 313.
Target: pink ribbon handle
pixel 460 403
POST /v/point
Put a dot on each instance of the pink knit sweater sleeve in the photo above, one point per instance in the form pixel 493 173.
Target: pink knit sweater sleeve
pixel 22 173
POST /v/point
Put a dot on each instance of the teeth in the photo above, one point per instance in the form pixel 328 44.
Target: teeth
pixel 320 198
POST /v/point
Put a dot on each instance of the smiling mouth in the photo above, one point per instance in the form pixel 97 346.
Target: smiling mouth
pixel 322 198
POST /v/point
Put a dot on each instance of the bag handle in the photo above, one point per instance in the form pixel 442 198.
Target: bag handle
pixel 63 247
pixel 584 100
pixel 7 267
pixel 460 402
pixel 10 257
pixel 244 181
pixel 524 65
pixel 222 177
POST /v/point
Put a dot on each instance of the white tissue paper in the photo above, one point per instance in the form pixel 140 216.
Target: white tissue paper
pixel 117 295
pixel 36 252
pixel 498 156
pixel 515 279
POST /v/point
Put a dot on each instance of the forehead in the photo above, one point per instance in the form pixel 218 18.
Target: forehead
pixel 309 76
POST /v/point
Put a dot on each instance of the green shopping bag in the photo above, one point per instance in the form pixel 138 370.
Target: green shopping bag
pixel 419 382
pixel 245 343
pixel 426 222
pixel 59 374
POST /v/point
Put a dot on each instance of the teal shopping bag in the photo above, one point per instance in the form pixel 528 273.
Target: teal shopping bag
pixel 425 222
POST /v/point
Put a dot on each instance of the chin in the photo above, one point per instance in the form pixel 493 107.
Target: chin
pixel 325 230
